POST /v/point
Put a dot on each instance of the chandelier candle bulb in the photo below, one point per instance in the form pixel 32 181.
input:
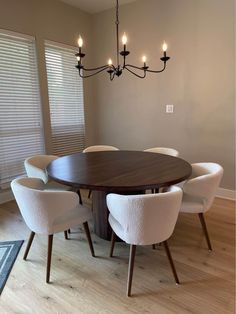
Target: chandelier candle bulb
pixel 144 59
pixel 110 62
pixel 164 48
pixel 124 39
pixel 80 42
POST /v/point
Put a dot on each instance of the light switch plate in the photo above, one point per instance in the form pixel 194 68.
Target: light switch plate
pixel 169 108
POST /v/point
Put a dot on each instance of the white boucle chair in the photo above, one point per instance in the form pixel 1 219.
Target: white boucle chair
pixel 199 191
pixel 35 167
pixel 99 148
pixel 144 220
pixel 163 150
pixel 48 212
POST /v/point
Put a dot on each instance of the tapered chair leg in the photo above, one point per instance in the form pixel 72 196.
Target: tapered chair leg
pixel 171 262
pixel 131 268
pixel 204 227
pixel 89 194
pixel 80 197
pixel 50 241
pixel 66 235
pixel 86 229
pixel 113 241
pixel 31 238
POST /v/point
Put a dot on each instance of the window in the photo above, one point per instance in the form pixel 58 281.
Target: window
pixel 21 133
pixel 65 99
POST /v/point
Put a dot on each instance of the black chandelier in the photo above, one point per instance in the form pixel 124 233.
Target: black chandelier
pixel 120 67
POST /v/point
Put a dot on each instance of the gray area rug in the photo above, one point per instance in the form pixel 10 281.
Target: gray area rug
pixel 8 254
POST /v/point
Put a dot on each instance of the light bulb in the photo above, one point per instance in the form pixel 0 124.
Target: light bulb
pixel 80 42
pixel 110 62
pixel 144 58
pixel 124 39
pixel 78 58
pixel 164 46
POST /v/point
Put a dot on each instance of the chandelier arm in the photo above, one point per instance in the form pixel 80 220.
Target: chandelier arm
pixel 159 71
pixel 144 75
pixel 95 69
pixel 134 66
pixel 89 75
pixel 146 70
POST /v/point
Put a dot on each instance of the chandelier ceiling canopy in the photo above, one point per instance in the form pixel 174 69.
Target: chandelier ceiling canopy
pixel 121 65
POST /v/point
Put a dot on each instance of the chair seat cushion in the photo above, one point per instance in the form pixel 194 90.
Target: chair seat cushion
pixel 191 204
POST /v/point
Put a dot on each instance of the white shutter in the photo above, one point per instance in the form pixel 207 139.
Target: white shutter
pixel 65 99
pixel 20 114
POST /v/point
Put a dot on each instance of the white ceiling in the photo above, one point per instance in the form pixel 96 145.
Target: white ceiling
pixel 95 6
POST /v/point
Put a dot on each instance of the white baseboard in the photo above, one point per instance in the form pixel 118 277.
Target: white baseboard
pixel 6 197
pixel 227 194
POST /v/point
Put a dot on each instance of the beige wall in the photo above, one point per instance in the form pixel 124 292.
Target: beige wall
pixel 130 113
pixel 199 80
pixel 51 20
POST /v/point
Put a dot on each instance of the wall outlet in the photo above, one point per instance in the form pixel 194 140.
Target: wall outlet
pixel 169 108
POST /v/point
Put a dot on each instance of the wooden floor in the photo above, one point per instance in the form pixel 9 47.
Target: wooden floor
pixel 83 284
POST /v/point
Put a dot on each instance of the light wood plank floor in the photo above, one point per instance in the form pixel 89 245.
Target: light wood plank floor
pixel 83 284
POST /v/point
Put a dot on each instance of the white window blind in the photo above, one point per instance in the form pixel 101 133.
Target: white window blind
pixel 20 114
pixel 65 99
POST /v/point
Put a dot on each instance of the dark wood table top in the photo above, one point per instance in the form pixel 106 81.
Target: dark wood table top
pixel 119 170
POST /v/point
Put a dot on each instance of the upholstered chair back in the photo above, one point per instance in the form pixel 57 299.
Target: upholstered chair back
pixel 144 219
pixel 36 166
pixel 42 209
pixel 163 150
pixel 99 148
pixel 204 182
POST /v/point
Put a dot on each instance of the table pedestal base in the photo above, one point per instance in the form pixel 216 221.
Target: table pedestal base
pixel 100 215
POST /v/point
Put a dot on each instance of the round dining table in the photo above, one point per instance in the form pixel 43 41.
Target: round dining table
pixel 123 172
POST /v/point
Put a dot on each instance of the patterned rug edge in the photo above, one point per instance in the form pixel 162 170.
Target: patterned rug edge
pixel 7 263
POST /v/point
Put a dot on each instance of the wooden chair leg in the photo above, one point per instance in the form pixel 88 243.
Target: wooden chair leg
pixel 171 262
pixel 80 197
pixel 113 241
pixel 204 227
pixel 86 229
pixel 154 245
pixel 69 231
pixel 31 238
pixel 131 268
pixel 89 194
pixel 66 235
pixel 50 241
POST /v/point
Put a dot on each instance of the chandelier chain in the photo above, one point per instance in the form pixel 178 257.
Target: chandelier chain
pixel 117 33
